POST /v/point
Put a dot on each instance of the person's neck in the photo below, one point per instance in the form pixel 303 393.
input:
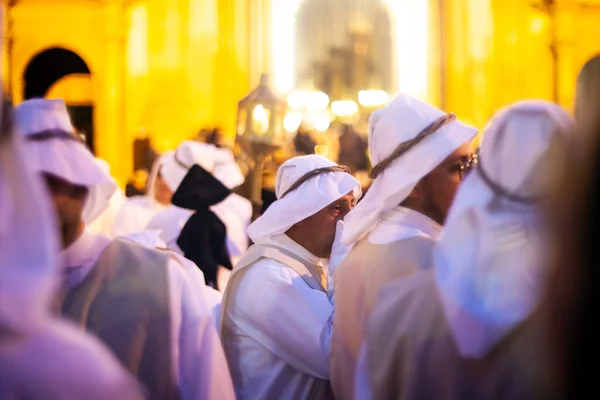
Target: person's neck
pixel 70 233
pixel 307 244
pixel 414 206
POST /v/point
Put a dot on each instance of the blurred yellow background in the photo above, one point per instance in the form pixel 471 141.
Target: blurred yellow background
pixel 165 68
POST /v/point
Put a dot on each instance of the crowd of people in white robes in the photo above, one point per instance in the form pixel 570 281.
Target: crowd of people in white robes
pixel 446 280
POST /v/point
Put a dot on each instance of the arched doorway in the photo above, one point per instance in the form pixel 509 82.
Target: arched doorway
pixel 54 66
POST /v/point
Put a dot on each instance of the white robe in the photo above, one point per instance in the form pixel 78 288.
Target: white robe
pixel 283 331
pixel 58 362
pixel 235 212
pixel 200 368
pixel 135 214
pixel 400 245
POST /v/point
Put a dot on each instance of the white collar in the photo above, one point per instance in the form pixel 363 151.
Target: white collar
pixel 403 223
pixel 285 242
pixel 79 258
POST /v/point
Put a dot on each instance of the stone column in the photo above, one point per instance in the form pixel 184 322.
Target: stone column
pixel 112 142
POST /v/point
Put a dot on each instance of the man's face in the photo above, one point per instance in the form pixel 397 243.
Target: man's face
pixel 438 188
pixel 68 201
pixel 317 233
pixel 162 192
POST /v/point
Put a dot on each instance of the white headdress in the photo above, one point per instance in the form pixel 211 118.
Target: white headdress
pixel 308 199
pixel 54 148
pixel 488 263
pixel 400 122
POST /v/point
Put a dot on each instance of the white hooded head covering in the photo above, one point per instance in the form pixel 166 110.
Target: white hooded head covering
pixel 487 264
pixel 308 199
pixel 96 202
pixel 28 243
pixel 402 120
pixel 219 162
pixel 65 158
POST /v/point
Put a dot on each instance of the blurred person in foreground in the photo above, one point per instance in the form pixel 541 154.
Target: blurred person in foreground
pixel 206 222
pixel 276 312
pixel 587 99
pixel 421 155
pixel 572 295
pixel 41 357
pixel 470 328
pixel 139 302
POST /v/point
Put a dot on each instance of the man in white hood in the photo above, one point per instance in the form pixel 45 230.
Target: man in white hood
pixel 420 156
pixel 137 212
pixel 206 221
pixel 467 328
pixel 276 313
pixel 41 357
pixel 138 301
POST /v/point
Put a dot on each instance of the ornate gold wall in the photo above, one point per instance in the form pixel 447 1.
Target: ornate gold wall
pixel 169 67
pixel 164 68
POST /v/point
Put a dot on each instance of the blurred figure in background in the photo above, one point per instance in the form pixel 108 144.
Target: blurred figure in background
pixel 471 328
pixel 303 142
pixel 353 150
pixel 41 357
pixel 138 301
pixel 135 215
pixel 421 156
pixel 206 222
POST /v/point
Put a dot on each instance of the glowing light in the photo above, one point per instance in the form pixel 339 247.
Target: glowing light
pixel 317 101
pixel 260 120
pixel 292 121
pixel 411 26
pixel 284 36
pixel 344 108
pixel 137 56
pixel 321 121
pixel 297 99
pixel 373 98
pixel 322 150
pixel 537 25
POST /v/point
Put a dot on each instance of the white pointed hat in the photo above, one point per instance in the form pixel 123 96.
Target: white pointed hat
pixel 54 148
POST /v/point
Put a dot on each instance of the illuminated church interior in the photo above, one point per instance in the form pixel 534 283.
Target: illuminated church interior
pixel 161 70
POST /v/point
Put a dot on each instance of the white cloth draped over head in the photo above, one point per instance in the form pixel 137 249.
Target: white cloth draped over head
pixel 219 162
pixel 235 211
pixel 308 199
pixel 69 160
pixel 488 263
pixel 28 241
pixel 105 221
pixel 402 120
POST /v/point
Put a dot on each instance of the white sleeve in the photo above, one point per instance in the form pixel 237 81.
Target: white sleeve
pixel 362 385
pixel 199 361
pixel 280 311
